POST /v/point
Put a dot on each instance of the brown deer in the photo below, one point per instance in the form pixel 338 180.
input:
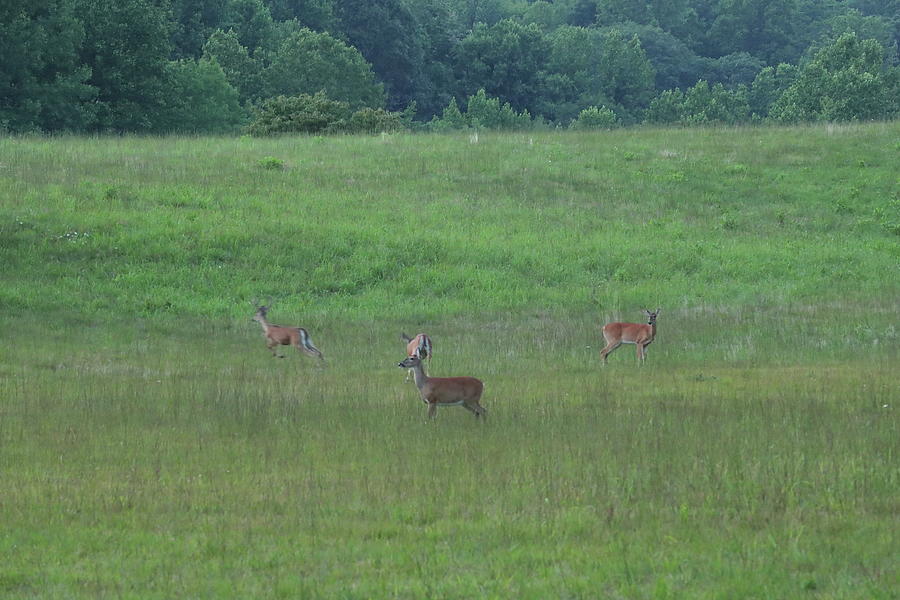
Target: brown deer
pixel 420 346
pixel 638 334
pixel 277 335
pixel 445 391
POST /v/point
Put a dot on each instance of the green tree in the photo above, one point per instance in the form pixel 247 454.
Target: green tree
pixel 674 16
pixel 200 99
pixel 489 12
pixel 508 60
pixel 126 47
pixel 308 62
pixel 845 81
pixel 242 71
pixel 701 104
pixel 888 9
pixel 768 86
pixel 734 69
pixel 389 38
pixel 674 63
pixel 43 85
pixel 252 22
pixel 451 119
pixel 485 112
pixel 546 15
pixel 604 67
pixel 865 27
pixel 317 15
pixel 441 29
pixel 583 13
pixel 193 22
pixel 762 28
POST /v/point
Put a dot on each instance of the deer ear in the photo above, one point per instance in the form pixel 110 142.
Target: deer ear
pixel 657 311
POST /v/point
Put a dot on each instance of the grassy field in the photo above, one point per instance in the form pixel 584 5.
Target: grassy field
pixel 150 447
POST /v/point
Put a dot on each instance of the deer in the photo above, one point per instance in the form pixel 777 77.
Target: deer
pixel 445 391
pixel 638 334
pixel 277 335
pixel 420 346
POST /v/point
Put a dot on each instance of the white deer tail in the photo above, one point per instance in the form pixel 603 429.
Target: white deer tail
pixel 307 345
pixel 424 349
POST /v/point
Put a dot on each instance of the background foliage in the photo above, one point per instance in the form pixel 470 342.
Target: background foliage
pixel 98 65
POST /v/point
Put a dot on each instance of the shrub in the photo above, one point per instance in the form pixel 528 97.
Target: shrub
pixel 701 103
pixel 482 112
pixel 596 118
pixel 299 114
pixel 271 163
pixel 486 112
pixel 451 119
pixel 374 120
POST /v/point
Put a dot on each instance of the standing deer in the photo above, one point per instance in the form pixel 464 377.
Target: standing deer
pixel 445 391
pixel 277 335
pixel 419 346
pixel 638 334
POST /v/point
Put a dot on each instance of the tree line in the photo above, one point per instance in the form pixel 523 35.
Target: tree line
pixel 269 66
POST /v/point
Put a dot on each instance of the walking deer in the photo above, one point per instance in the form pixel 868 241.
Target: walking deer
pixel 277 335
pixel 638 334
pixel 445 391
pixel 420 346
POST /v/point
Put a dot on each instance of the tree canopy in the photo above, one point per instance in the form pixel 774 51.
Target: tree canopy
pixel 209 65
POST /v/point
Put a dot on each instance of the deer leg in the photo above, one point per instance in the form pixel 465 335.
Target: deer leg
pixel 642 352
pixel 475 408
pixel 608 350
pixel 432 409
pixel 309 352
pixel 271 345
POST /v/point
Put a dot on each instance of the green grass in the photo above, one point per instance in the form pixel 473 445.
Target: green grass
pixel 151 448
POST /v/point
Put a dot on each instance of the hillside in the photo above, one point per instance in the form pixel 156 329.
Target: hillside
pixel 438 227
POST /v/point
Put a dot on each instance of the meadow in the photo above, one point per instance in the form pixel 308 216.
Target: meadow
pixel 150 447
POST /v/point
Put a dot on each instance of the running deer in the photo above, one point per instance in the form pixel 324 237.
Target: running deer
pixel 419 346
pixel 445 391
pixel 638 334
pixel 277 335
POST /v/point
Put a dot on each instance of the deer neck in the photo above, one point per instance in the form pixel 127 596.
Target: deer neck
pixel 420 377
pixel 652 330
pixel 265 324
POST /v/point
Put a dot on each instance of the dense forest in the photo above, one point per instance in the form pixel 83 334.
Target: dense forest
pixel 269 66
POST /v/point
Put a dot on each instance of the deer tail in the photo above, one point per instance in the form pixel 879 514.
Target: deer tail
pixel 307 344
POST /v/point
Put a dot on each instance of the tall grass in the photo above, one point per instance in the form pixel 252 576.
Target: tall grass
pixel 150 447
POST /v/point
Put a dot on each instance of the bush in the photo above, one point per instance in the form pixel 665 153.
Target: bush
pixel 300 114
pixel 482 112
pixel 486 112
pixel 701 104
pixel 451 119
pixel 595 118
pixel 270 163
pixel 374 120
